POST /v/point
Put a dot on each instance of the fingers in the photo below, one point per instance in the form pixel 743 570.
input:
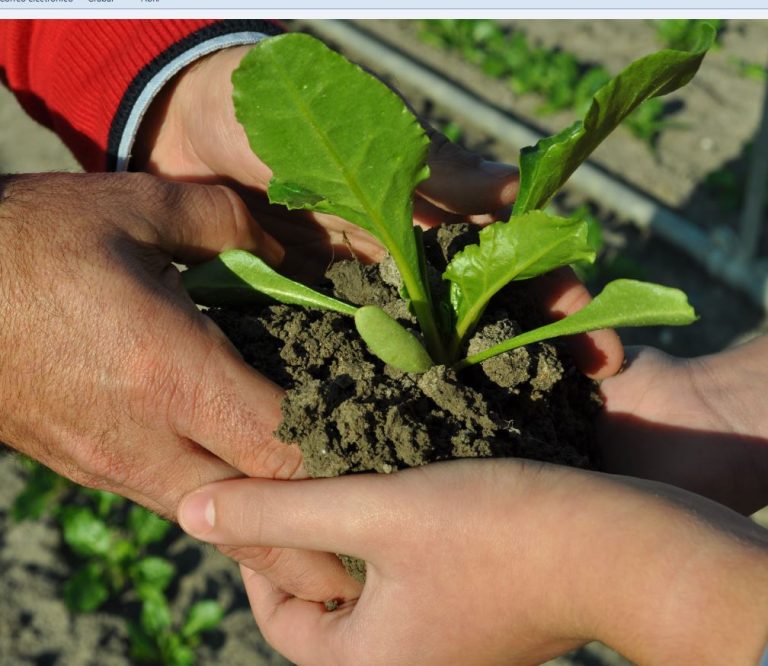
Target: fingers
pixel 331 515
pixel 306 574
pixel 303 630
pixel 598 354
pixel 196 222
pixel 232 410
pixel 463 182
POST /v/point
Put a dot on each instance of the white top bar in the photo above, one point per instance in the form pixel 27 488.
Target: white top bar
pixel 392 8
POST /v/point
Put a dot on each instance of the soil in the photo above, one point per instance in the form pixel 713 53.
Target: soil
pixel 349 412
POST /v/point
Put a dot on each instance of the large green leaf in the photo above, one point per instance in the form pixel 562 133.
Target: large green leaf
pixel 338 141
pixel 237 277
pixel 545 167
pixel 621 303
pixel 526 246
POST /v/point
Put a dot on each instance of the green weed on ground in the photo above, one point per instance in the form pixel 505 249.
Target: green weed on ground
pixel 111 539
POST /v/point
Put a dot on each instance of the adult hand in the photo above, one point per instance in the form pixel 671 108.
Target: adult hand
pixel 110 374
pixel 696 423
pixel 490 562
pixel 191 134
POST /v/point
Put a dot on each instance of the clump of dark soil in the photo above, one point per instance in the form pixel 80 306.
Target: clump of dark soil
pixel 350 413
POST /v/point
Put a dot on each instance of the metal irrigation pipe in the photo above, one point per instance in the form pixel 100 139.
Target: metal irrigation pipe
pixel 720 261
pixel 757 181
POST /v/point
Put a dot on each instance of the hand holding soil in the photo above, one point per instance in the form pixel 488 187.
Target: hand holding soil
pixel 696 423
pixel 111 376
pixel 502 562
pixel 116 379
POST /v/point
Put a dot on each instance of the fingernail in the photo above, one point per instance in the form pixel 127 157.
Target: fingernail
pixel 197 514
pixel 498 169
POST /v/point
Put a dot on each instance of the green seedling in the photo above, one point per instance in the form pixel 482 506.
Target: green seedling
pixel 559 77
pixel 678 33
pixel 747 69
pixel 339 141
pixel 111 541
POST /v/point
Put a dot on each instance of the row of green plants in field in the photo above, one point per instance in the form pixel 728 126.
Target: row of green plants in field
pixel 676 33
pixel 566 83
pixel 110 540
pixel 558 77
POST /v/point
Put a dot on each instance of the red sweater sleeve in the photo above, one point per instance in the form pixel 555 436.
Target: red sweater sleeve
pixel 78 77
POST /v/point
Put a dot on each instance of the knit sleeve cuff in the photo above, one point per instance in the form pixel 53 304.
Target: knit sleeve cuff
pixel 156 74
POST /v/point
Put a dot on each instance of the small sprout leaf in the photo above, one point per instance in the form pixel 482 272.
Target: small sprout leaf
pixel 392 343
pixel 175 652
pixel 144 648
pixel 152 572
pixel 147 528
pixel 39 493
pixel 621 303
pixel 203 616
pixel 84 532
pixel 526 246
pixel 237 277
pixel 545 167
pixel 155 613
pixel 86 589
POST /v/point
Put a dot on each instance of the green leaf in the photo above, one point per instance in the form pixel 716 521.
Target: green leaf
pixel 121 552
pixel 146 527
pixel 338 141
pixel 176 652
pixel 526 246
pixel 545 167
pixel 86 590
pixel 203 616
pixel 237 277
pixel 621 303
pixel 153 573
pixel 84 532
pixel 41 488
pixel 105 501
pixel 155 613
pixel 144 647
pixel 392 343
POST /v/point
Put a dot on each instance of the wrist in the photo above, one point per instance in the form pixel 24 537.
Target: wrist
pixel 678 579
pixel 190 131
pixel 731 384
pixel 159 140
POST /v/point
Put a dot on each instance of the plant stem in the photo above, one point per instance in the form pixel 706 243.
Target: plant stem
pixel 420 296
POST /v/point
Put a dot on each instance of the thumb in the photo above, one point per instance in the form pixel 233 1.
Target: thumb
pixel 196 222
pixel 328 515
pixel 463 182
